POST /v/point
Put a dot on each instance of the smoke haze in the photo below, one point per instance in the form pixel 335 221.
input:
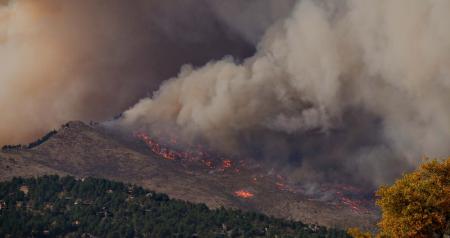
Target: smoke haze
pixel 65 60
pixel 338 90
pixel 345 89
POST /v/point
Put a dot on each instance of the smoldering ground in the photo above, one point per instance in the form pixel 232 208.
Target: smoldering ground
pixel 65 60
pixel 346 89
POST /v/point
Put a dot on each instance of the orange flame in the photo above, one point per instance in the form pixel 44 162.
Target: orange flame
pixel 192 153
pixel 156 148
pixel 226 164
pixel 208 163
pixel 244 194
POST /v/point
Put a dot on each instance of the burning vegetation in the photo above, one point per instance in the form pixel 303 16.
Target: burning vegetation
pixel 244 194
pixel 169 147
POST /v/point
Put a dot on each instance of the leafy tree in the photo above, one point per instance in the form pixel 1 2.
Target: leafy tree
pixel 417 205
pixel 356 233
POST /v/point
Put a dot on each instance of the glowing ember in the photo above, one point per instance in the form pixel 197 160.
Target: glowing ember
pixel 167 151
pixel 208 163
pixel 170 148
pixel 244 194
pixel 282 186
pixel 157 148
pixel 354 205
pixel 226 164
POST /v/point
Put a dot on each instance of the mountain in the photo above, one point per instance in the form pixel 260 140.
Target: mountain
pixel 90 150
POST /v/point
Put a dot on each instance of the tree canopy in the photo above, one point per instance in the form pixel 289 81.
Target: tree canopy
pixel 416 205
pixel 51 206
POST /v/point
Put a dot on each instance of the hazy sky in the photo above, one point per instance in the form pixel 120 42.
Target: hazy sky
pixel 65 60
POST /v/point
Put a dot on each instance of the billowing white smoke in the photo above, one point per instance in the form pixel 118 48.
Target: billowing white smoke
pixel 370 77
pixel 66 60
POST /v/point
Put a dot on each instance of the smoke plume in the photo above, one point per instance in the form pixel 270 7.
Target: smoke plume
pixel 350 88
pixel 65 60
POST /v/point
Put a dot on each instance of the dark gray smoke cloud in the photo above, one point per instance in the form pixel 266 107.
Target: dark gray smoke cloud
pixel 64 60
pixel 351 89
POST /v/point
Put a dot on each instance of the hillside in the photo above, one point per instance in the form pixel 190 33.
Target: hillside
pixel 50 206
pixel 83 150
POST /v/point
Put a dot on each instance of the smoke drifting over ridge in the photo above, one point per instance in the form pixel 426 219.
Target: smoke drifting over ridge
pixel 342 89
pixel 346 88
pixel 64 60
